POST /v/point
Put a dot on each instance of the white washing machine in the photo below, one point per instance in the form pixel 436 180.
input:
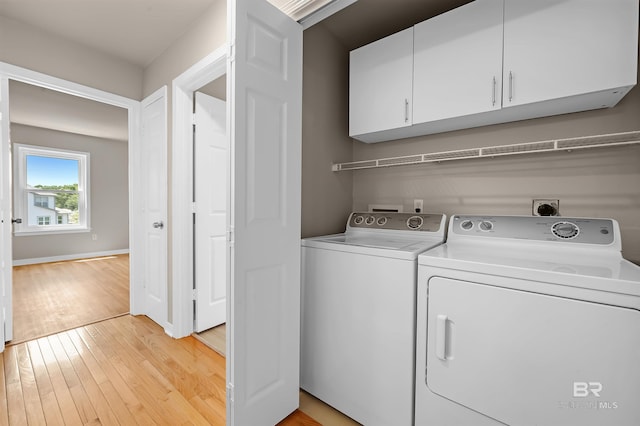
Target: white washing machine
pixel 528 321
pixel 358 314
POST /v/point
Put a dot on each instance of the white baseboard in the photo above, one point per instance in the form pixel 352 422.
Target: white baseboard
pixel 77 256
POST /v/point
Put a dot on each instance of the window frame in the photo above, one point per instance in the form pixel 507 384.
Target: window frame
pixel 21 191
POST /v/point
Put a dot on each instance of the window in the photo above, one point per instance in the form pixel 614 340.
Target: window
pixel 51 190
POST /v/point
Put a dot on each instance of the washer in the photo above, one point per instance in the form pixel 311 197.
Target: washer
pixel 358 314
pixel 528 321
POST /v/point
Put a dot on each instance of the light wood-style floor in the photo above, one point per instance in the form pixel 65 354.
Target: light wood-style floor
pixel 52 297
pixel 125 371
pixel 215 338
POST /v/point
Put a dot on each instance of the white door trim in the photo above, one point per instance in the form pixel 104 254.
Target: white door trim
pixel 35 78
pixel 206 70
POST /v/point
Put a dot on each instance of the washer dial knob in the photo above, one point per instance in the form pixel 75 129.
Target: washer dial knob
pixel 485 225
pixel 369 220
pixel 381 221
pixel 414 222
pixel 358 219
pixel 565 230
pixel 466 225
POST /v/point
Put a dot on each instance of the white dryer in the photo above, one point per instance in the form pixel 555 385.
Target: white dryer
pixel 358 314
pixel 528 321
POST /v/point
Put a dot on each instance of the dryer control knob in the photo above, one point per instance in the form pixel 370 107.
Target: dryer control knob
pixel 565 230
pixel 486 225
pixel 415 222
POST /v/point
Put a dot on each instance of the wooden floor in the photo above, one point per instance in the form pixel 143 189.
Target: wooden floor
pixel 52 297
pixel 215 338
pixel 125 371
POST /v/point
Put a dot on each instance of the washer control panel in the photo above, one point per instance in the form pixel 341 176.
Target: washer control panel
pixel 538 228
pixel 396 221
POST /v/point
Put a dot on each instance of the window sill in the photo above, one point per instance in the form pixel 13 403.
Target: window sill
pixel 34 232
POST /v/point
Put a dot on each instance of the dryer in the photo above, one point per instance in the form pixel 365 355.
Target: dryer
pixel 528 321
pixel 358 314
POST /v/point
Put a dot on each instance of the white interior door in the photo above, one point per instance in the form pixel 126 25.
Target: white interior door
pixel 154 204
pixel 211 164
pixel 6 257
pixel 265 108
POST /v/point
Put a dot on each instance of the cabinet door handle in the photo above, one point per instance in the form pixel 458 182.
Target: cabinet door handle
pixel 493 96
pixel 510 86
pixel 406 110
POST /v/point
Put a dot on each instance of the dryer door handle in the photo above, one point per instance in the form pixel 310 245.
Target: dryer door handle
pixel 441 337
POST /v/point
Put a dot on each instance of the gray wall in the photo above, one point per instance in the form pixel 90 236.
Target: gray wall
pixel 108 196
pixel 326 196
pixel 603 182
pixel 32 48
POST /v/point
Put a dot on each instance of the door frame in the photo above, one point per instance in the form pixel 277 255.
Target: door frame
pixel 204 71
pixel 24 75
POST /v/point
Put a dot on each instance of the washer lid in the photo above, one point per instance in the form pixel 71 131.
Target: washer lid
pixel 375 245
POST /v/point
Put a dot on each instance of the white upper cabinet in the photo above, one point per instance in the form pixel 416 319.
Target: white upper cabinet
pixel 458 62
pixel 557 49
pixel 495 61
pixel 380 84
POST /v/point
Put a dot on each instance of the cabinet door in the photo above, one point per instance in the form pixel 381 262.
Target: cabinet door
pixel 458 62
pixel 555 49
pixel 530 359
pixel 380 84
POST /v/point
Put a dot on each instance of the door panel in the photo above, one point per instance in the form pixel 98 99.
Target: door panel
pixel 154 184
pixel 6 257
pixel 531 359
pixel 265 83
pixel 211 163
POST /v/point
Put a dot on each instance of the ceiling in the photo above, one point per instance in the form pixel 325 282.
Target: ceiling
pixel 138 31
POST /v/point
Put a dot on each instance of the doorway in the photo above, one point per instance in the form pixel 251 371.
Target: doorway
pixel 70 191
pixel 210 198
pixel 132 107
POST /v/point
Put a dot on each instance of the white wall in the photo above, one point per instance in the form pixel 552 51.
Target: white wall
pixel 108 196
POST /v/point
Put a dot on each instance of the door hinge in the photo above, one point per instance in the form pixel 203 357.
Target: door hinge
pixel 231 54
pixel 230 395
pixel 230 236
pixel 193 207
pixel 194 294
pixel 193 119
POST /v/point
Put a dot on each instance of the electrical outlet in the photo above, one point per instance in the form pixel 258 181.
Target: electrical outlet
pixel 545 207
pixel 418 205
pixel 94 237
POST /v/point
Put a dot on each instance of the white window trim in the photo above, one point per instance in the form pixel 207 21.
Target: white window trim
pixel 20 153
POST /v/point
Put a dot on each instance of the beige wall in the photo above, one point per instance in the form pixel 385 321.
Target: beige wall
pixel 28 47
pixel 207 34
pixel 326 196
pixel 108 196
pixel 601 182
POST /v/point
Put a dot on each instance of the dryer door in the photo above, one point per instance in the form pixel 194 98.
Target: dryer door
pixel 525 358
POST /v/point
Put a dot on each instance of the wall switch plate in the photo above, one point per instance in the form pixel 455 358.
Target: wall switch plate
pixel 418 206
pixel 545 207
